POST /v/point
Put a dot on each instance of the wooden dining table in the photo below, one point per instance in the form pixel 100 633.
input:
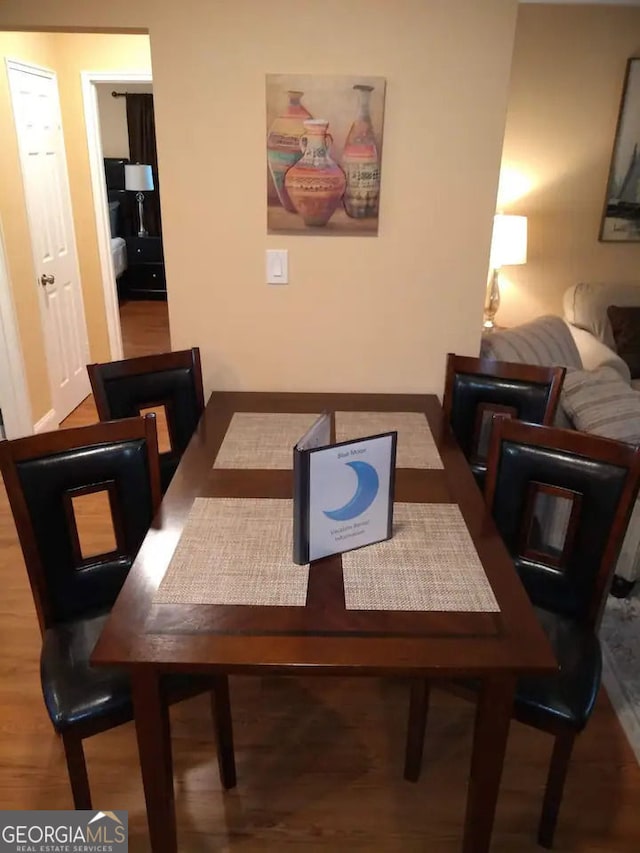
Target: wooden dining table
pixel 152 636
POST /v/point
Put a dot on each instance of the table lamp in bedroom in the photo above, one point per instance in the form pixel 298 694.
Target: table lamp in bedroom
pixel 138 178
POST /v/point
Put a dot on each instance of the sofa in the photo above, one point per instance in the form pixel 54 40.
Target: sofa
pixel 597 395
pixel 587 308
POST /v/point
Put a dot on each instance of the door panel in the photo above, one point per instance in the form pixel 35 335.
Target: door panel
pixel 36 111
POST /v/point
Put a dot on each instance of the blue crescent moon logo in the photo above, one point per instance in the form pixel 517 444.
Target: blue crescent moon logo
pixel 364 496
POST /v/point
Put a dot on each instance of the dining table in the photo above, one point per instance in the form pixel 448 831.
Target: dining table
pixel 214 589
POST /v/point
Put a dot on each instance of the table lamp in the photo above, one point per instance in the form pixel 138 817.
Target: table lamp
pixel 508 248
pixel 138 178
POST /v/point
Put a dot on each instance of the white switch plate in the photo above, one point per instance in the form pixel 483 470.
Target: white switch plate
pixel 277 266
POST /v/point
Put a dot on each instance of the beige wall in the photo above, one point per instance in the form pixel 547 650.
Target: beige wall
pixel 359 313
pixel 568 69
pixel 113 117
pixel 67 55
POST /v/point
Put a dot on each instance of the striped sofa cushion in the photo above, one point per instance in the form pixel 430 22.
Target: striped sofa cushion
pixel 601 402
pixel 545 341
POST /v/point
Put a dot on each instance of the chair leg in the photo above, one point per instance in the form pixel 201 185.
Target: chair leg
pixel 418 710
pixel 223 726
pixel 77 768
pixel 562 748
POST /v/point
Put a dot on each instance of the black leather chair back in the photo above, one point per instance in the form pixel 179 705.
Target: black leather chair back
pixel 564 552
pixel 43 475
pixel 478 389
pixel 173 380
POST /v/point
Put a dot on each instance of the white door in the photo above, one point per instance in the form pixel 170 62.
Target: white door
pixel 36 110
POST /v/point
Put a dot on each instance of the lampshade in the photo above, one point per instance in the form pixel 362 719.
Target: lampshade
pixel 509 240
pixel 138 177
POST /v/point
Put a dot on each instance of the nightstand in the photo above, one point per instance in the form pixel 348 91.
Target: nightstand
pixel 145 269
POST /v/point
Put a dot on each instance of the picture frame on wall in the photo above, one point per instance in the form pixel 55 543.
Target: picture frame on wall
pixel 621 216
pixel 324 139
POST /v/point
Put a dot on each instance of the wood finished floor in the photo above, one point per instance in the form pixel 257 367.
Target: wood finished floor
pixel 319 760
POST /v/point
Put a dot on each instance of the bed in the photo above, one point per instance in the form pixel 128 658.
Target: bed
pixel 119 255
pixel 118 217
pixel 118 243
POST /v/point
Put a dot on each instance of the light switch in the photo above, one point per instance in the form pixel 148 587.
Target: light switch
pixel 277 266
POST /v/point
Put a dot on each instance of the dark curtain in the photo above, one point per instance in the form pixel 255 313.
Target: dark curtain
pixel 142 149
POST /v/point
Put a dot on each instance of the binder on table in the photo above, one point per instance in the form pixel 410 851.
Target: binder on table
pixel 342 491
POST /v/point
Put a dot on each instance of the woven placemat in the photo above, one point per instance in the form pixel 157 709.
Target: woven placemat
pixel 262 440
pixel 430 564
pixel 416 447
pixel 235 551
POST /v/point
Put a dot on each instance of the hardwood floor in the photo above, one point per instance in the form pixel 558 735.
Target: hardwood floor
pixel 145 327
pixel 319 760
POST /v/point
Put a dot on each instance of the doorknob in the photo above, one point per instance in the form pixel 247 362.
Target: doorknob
pixel 47 279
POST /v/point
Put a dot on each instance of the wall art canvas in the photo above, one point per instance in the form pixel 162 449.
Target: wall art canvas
pixel 621 219
pixel 324 154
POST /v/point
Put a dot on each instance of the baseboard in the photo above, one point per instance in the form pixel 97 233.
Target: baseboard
pixel 47 422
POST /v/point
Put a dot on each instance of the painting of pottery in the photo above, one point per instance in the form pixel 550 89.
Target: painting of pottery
pixel 324 154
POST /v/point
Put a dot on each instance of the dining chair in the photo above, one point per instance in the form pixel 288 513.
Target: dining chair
pixel 477 390
pixel 590 483
pixel 171 381
pixel 76 572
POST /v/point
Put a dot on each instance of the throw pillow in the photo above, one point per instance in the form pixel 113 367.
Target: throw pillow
pixel 601 402
pixel 625 325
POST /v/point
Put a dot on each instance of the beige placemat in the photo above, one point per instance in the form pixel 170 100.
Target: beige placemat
pixel 416 447
pixel 430 564
pixel 235 551
pixel 262 440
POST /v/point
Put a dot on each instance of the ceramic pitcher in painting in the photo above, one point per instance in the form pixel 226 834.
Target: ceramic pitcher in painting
pixel 361 162
pixel 316 183
pixel 283 143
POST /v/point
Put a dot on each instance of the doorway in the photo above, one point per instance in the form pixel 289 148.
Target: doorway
pixel 132 261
